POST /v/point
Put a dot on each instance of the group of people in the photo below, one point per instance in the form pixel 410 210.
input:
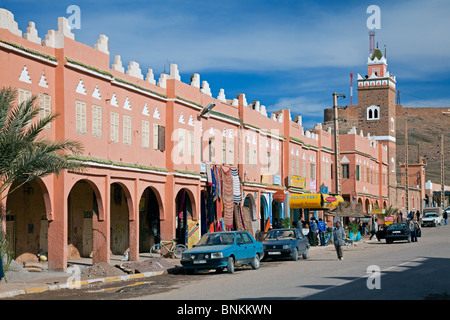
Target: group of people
pixel 317 231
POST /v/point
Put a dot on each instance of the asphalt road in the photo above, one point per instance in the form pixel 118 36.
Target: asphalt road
pixel 407 271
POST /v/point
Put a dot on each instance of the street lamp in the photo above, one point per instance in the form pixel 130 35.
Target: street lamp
pixel 336 145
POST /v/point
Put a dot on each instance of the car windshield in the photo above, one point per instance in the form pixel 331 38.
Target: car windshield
pixel 278 234
pixel 431 214
pixel 216 239
pixel 397 226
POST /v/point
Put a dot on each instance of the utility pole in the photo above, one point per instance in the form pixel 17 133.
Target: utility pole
pixel 337 165
pixel 442 174
pixel 406 169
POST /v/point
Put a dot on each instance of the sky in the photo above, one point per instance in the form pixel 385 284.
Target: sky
pixel 284 53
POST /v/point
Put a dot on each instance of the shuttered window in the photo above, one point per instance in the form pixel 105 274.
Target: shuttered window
pixel 224 151
pixel 159 137
pixel 230 152
pixel 145 134
pixel 80 117
pixel 127 130
pixel 181 141
pixel 191 146
pixel 24 95
pixel 45 107
pixel 97 121
pixel 114 127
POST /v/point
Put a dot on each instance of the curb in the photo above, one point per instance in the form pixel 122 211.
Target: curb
pixel 79 284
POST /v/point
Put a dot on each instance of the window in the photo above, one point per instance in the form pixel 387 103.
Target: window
pixel 80 117
pixel 345 171
pixel 145 134
pixel 24 95
pixel 45 108
pixel 373 113
pixel 191 146
pixel 127 130
pixel 211 150
pixel 224 150
pixel 181 141
pixel 230 152
pixel 97 121
pixel 114 127
pixel 358 173
pixel 254 160
pixel 159 137
pixel 312 171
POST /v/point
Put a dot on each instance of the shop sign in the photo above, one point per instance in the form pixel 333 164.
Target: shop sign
pixel 279 196
pixel 277 179
pixel 305 201
pixel 297 182
pixel 377 211
pixel 389 220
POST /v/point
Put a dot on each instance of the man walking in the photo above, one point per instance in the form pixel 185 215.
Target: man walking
pixel 339 239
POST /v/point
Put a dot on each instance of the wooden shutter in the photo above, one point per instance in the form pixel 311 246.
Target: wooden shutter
pixel 45 108
pixel 80 117
pixel 181 141
pixel 97 121
pixel 145 134
pixel 161 138
pixel 114 127
pixel 126 129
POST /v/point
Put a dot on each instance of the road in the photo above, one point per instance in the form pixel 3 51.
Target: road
pixel 408 271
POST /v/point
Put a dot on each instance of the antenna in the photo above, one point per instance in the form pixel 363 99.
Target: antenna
pixel 351 89
pixel 372 41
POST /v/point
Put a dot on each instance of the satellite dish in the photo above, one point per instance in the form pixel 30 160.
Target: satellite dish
pixel 207 109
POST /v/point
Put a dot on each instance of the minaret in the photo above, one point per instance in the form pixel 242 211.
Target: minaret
pixel 377 110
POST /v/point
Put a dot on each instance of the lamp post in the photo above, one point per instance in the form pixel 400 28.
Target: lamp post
pixel 337 165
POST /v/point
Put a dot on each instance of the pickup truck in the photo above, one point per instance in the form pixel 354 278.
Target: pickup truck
pixel 432 217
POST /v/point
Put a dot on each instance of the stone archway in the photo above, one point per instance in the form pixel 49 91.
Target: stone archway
pixel 120 211
pixel 183 212
pixel 26 220
pixel 150 213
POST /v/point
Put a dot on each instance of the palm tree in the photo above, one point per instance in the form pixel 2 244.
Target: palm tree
pixel 24 153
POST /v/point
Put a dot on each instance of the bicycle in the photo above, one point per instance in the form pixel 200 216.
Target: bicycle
pixel 169 246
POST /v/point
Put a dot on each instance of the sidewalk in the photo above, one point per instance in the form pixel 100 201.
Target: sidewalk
pixel 35 282
pixel 80 273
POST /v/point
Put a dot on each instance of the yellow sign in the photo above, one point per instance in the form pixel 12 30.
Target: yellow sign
pixel 377 211
pixel 297 182
pixel 305 201
pixel 313 201
pixel 193 235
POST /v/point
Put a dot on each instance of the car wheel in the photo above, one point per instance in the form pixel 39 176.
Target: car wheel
pixel 230 265
pixel 295 254
pixel 255 262
pixel 305 254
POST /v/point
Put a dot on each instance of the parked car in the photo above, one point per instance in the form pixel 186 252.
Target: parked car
pixel 285 243
pixel 220 250
pixel 398 231
pixel 432 218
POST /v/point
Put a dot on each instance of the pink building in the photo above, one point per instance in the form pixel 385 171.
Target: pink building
pixel 156 167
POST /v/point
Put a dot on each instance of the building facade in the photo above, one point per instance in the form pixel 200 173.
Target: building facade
pixel 157 166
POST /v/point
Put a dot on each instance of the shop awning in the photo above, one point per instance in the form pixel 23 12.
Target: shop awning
pixel 317 201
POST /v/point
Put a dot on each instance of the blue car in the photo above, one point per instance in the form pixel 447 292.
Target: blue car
pixel 220 250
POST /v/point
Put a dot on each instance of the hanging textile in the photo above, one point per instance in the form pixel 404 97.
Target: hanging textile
pixel 240 225
pixel 208 174
pixel 227 199
pixel 218 182
pixel 237 196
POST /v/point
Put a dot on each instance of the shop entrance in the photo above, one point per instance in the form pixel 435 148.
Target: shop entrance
pixel 149 220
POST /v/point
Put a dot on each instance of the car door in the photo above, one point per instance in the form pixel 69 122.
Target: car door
pixel 240 249
pixel 301 242
pixel 250 247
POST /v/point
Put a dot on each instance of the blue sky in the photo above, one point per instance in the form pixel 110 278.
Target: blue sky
pixel 284 53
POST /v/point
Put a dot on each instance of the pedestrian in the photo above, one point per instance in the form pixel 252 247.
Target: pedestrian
pixel 412 228
pixel 339 239
pixel 361 227
pixel 445 216
pixel 2 273
pixel 300 224
pixel 418 215
pixel 313 231
pixel 374 229
pixel 322 229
